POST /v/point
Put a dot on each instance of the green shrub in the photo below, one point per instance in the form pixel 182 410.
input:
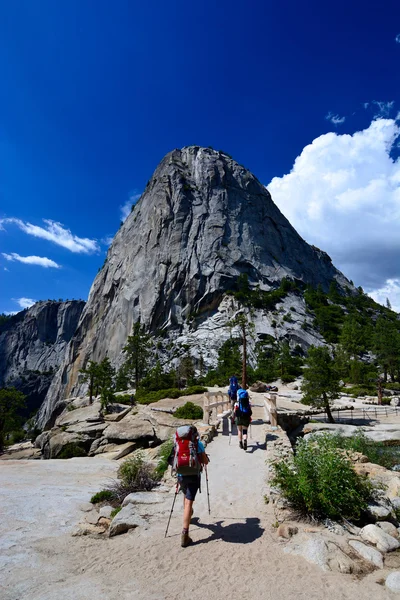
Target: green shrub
pixel 115 511
pixel 376 452
pixel 164 452
pixel 16 436
pixel 72 450
pixel 321 481
pixel 124 399
pixel 144 397
pixel 361 390
pixel 392 386
pixel 189 411
pixel 103 496
pixel 134 475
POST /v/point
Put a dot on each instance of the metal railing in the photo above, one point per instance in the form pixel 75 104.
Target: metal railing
pixel 369 413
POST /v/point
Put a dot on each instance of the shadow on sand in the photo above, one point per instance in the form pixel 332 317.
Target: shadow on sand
pixel 234 533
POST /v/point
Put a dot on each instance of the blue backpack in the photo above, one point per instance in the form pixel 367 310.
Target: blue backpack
pixel 233 385
pixel 244 403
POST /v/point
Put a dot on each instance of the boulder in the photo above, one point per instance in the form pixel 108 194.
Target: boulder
pixel 90 429
pixel 58 441
pixel 379 512
pixel 393 581
pixel 116 451
pixel 131 428
pixel 388 480
pixel 126 519
pixel 389 528
pixel 382 540
pixel 88 529
pixel 25 450
pixel 89 414
pixel 258 387
pixel 105 511
pixel 92 517
pixel 143 498
pixel 367 553
pixel 322 552
pixel 117 412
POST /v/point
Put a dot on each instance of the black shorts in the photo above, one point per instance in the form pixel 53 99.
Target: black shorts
pixel 189 485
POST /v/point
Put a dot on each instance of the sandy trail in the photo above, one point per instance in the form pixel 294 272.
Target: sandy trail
pixel 235 551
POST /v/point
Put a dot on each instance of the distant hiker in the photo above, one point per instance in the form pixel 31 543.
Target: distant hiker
pixel 242 413
pixel 233 388
pixel 189 456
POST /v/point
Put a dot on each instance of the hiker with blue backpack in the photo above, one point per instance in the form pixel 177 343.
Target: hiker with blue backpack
pixel 242 413
pixel 233 388
pixel 188 458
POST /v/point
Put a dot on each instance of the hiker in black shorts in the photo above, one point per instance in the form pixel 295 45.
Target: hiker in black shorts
pixel 242 412
pixel 189 458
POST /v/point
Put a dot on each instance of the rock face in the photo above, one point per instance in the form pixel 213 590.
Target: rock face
pixel 202 220
pixel 33 344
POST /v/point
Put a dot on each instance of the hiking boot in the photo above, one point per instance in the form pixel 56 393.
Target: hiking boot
pixel 240 444
pixel 245 445
pixel 185 540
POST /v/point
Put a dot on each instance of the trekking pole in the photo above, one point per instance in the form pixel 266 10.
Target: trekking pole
pixel 173 503
pixel 208 493
pixel 230 428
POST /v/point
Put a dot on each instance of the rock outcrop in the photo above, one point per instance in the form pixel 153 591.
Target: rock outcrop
pixel 202 220
pixel 33 344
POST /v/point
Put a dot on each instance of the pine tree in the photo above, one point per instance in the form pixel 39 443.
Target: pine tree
pixel 247 328
pixel 387 346
pixel 352 336
pixel 138 354
pixel 91 376
pixel 321 380
pixel 11 401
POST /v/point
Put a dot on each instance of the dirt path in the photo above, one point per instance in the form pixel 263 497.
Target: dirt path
pixel 235 551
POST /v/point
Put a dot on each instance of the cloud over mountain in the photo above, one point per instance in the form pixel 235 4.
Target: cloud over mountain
pixel 56 233
pixel 343 195
pixel 42 261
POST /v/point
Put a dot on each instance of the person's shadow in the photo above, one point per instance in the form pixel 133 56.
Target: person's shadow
pixel 253 447
pixel 234 533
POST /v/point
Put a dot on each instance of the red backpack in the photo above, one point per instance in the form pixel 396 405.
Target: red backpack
pixel 186 454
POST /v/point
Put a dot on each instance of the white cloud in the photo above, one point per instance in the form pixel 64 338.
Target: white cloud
pixel 390 290
pixel 343 195
pixel 384 108
pixel 25 302
pixel 397 38
pixel 5 269
pixel 335 119
pixel 56 233
pixel 42 261
pixel 127 207
pixel 10 312
pixel 107 240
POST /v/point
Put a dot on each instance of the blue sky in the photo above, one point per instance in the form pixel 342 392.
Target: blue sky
pixel 94 94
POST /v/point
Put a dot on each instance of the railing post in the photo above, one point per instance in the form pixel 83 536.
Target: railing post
pixel 273 413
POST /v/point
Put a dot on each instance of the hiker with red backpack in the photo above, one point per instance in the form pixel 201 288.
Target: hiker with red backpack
pixel 242 413
pixel 189 457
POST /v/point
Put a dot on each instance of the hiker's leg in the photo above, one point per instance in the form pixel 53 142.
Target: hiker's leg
pixel 245 438
pixel 187 513
pixel 240 432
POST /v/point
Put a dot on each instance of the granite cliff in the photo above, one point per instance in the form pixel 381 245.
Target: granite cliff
pixel 33 344
pixel 202 220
